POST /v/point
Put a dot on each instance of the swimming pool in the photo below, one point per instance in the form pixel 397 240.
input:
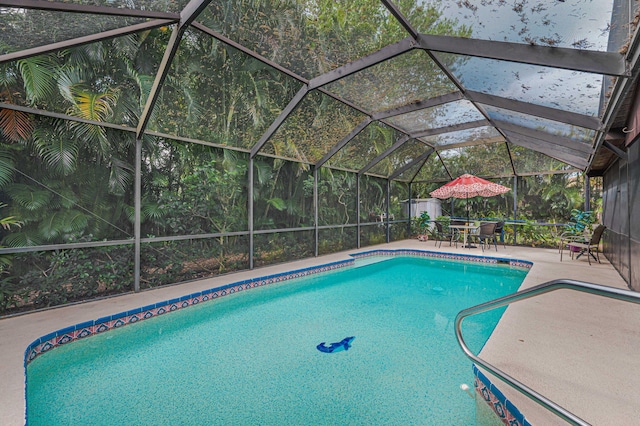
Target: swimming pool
pixel 251 358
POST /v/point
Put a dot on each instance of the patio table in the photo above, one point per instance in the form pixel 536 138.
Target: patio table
pixel 466 229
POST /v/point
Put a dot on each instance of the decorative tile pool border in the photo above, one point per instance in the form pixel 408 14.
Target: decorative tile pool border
pixel 89 328
pixel 501 406
pixel 447 256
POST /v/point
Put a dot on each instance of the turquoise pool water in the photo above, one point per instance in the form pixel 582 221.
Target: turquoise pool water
pixel 251 358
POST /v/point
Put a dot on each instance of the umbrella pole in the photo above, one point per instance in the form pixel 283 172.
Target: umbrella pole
pixel 467 211
pixel 469 245
pixel 467 207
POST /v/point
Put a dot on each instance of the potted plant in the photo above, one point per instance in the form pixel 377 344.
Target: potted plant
pixel 423 224
pixel 581 222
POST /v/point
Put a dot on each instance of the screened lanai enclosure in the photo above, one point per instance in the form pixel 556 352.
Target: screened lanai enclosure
pixel 146 143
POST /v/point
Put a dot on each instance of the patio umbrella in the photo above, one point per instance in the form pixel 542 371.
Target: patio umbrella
pixel 467 186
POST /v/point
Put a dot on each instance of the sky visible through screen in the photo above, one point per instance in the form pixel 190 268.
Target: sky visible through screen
pixel 577 24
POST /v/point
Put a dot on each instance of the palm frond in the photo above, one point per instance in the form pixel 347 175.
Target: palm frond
pixel 67 198
pixel 38 76
pixel 7 166
pixel 194 109
pixel 144 82
pixel 28 197
pixel 21 239
pixel 277 203
pixel 58 151
pixel 233 160
pixel 93 53
pixel 151 210
pixel 127 45
pixel 127 109
pixel 92 106
pixel 75 221
pixel 120 176
pixel 15 125
pixel 68 77
pixel 95 107
pixel 92 136
pixel 264 172
pixel 63 222
pixel 6 260
pixel 6 222
pixel 130 212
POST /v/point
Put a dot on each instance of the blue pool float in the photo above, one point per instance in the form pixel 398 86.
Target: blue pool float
pixel 342 345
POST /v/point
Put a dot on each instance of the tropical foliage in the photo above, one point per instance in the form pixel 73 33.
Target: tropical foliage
pixel 71 183
pixel 423 221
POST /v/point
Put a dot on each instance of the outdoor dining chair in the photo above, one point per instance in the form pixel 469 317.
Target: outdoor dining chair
pixel 568 237
pixel 486 234
pixel 439 235
pixel 586 246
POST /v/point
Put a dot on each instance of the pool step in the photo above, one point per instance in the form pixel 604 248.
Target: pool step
pixel 364 261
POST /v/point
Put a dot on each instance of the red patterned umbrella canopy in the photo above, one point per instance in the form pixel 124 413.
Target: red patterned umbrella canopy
pixel 467 186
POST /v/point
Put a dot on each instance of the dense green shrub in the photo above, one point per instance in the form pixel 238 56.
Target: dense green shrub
pixel 63 276
pixel 283 247
pixel 185 260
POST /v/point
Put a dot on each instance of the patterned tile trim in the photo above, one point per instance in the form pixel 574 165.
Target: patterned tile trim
pixel 86 329
pixel 89 328
pixel 449 256
pixel 501 406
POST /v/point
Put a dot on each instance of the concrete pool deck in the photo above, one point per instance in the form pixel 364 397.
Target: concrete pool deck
pixel 579 350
